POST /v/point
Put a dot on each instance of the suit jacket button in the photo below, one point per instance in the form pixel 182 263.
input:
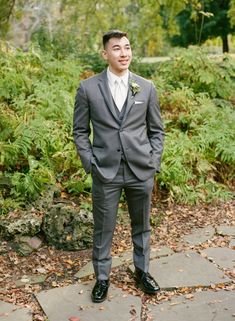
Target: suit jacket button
pixel 118 150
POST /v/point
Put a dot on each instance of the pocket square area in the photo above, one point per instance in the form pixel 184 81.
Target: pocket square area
pixel 138 102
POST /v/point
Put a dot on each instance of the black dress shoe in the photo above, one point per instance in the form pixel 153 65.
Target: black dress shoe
pixel 146 282
pixel 100 291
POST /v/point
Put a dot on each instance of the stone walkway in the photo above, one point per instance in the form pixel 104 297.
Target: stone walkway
pixel 187 269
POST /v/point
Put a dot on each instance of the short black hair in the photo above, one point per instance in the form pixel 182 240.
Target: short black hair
pixel 113 34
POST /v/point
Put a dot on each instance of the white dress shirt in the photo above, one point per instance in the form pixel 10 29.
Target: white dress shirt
pixel 123 87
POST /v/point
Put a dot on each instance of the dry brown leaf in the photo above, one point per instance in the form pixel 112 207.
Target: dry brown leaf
pixel 133 311
pixel 38 317
pixel 175 303
pixel 74 319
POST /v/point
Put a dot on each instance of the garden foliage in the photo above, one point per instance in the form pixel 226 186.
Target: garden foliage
pixel 36 109
pixel 197 96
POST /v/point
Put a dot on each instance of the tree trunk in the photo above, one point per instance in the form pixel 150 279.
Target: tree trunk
pixel 225 43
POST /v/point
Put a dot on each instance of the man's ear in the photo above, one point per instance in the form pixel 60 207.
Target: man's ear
pixel 104 54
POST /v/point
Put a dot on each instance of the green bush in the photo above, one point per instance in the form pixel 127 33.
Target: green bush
pixel 194 69
pixel 36 109
pixel 199 155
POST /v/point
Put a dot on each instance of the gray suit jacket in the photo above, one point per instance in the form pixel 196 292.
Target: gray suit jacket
pixel 140 135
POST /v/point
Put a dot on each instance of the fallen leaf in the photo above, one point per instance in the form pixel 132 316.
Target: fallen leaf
pixel 133 312
pixel 174 303
pixel 54 284
pixel 74 319
pixel 38 317
pixel 70 262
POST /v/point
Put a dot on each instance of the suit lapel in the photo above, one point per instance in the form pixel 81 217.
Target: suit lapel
pixel 106 93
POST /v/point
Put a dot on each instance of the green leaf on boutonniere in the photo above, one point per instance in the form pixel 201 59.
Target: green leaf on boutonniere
pixel 135 88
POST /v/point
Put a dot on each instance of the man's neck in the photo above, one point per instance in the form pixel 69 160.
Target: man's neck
pixel 118 74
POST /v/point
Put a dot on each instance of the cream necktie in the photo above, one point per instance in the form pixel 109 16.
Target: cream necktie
pixel 119 94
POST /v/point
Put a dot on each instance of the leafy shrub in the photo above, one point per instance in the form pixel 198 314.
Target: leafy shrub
pixel 36 107
pixel 199 156
pixel 193 68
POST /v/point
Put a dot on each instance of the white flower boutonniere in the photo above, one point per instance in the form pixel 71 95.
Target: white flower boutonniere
pixel 135 88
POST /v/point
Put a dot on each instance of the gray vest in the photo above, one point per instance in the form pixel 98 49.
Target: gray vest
pixel 121 115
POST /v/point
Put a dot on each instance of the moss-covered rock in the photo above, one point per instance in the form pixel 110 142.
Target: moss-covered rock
pixel 26 223
pixel 67 228
pixel 25 245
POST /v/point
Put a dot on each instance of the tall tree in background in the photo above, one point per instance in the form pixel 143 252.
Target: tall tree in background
pixel 231 12
pixel 140 18
pixel 201 20
pixel 71 26
pixel 6 10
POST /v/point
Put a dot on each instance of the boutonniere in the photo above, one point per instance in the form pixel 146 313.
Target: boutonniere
pixel 135 88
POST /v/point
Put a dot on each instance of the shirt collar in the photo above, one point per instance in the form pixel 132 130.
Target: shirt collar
pixel 112 77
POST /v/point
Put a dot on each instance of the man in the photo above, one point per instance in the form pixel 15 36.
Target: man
pixel 125 154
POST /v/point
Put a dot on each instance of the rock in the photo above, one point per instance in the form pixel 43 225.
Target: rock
pixel 25 245
pixel 27 223
pixel 4 247
pixel 67 228
pixel 46 200
pixel 35 242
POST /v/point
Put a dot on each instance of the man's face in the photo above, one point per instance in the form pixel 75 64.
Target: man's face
pixel 118 55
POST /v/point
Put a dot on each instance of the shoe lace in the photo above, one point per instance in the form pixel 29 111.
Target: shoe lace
pixel 102 284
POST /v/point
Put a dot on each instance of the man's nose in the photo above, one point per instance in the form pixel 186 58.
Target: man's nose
pixel 123 52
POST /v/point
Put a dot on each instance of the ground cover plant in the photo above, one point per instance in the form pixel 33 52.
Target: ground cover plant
pixel 36 109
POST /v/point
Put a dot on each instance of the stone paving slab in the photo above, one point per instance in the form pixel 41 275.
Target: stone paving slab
pixel 232 244
pixel 199 236
pixel 60 304
pixel 30 279
pixel 223 257
pixel 226 230
pixel 159 252
pixel 87 269
pixel 205 306
pixel 11 312
pixel 187 269
pixel 126 257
